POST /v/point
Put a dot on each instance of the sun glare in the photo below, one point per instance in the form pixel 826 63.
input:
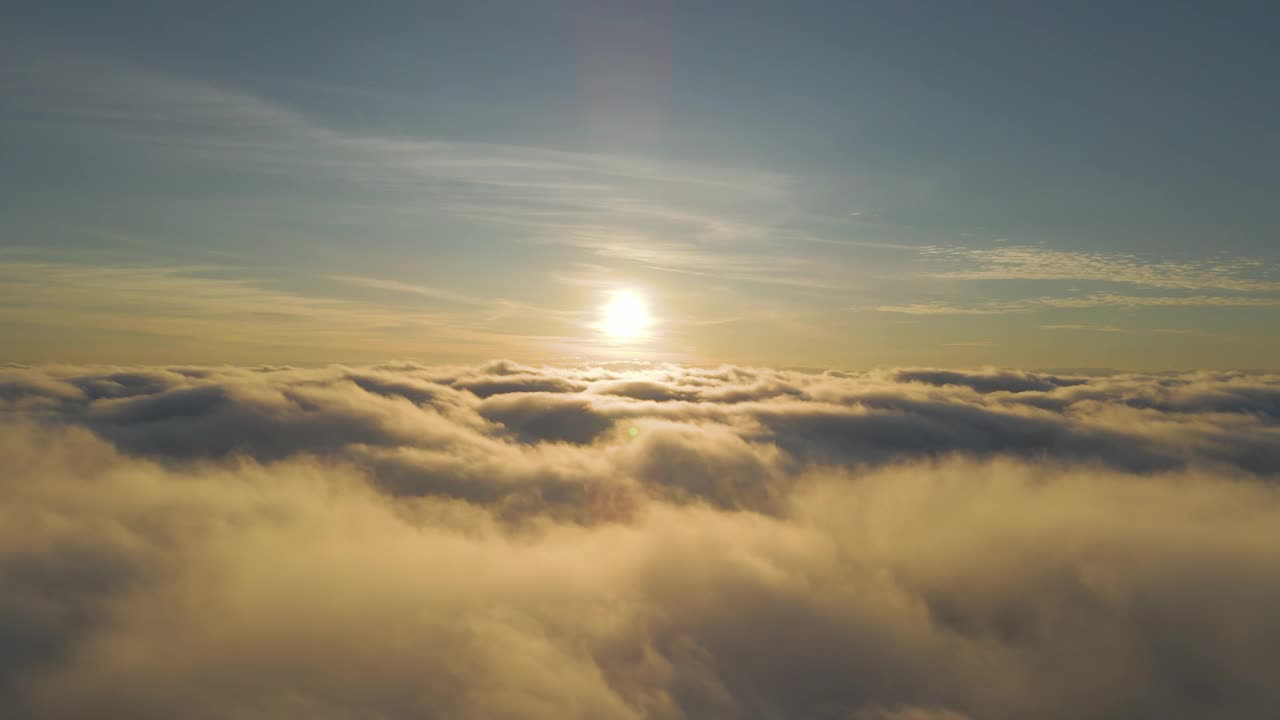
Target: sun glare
pixel 626 316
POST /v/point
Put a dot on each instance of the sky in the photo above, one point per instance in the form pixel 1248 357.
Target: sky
pixel 818 184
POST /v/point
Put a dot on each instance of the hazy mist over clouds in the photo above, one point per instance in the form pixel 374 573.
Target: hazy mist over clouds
pixel 634 540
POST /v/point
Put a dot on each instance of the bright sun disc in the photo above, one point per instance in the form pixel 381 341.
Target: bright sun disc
pixel 626 315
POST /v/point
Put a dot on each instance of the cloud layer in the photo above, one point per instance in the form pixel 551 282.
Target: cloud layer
pixel 627 541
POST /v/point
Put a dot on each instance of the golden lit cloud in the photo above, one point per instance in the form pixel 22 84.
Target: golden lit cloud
pixel 635 540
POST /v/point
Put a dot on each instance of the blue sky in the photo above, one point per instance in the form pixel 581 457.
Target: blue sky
pixel 850 184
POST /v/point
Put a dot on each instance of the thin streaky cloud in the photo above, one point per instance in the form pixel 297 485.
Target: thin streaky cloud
pixel 1243 274
pixel 396 286
pixel 553 194
pixel 203 302
pixel 1117 300
pixel 1097 300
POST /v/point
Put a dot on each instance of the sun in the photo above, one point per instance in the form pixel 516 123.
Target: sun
pixel 626 316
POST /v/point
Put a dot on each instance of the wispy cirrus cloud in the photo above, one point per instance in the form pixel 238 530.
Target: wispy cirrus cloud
pixel 1083 327
pixel 663 215
pixel 426 291
pixel 690 231
pixel 1242 274
pixel 1218 282
pixel 208 308
pixel 1095 300
pixel 215 303
pixel 1119 300
pixel 945 308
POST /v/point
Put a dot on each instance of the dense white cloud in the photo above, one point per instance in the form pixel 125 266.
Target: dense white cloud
pixel 627 541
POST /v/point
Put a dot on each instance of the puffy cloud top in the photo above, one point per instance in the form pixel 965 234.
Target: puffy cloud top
pixel 637 541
